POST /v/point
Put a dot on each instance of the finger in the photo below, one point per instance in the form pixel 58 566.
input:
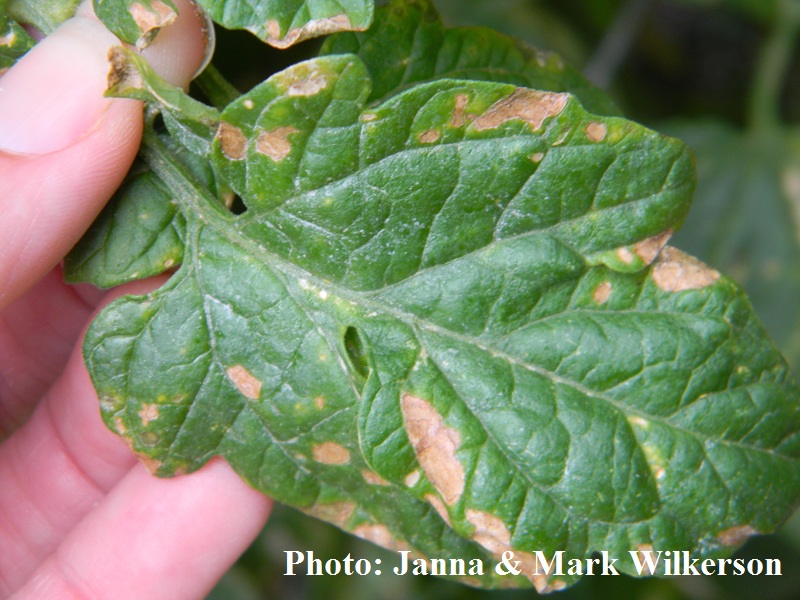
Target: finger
pixel 64 148
pixel 155 538
pixel 37 335
pixel 55 469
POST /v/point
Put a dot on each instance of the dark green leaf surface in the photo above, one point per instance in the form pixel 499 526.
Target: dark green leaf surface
pixel 111 253
pixel 448 323
pixel 408 45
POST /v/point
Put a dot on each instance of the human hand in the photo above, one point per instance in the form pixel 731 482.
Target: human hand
pixel 79 516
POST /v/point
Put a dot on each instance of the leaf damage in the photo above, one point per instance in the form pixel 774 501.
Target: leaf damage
pixel 311 29
pixel 531 106
pixel 151 19
pixel 676 271
pixel 435 445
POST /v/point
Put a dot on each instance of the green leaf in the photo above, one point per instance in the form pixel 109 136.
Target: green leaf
pixel 408 45
pixel 136 21
pixel 190 122
pixel 282 23
pixel 45 16
pixel 746 218
pixel 418 329
pixel 141 231
pixel 111 253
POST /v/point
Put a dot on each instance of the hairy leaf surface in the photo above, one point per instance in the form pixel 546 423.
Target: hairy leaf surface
pixel 448 322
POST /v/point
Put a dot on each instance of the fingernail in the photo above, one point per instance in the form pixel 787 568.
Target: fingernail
pixel 54 95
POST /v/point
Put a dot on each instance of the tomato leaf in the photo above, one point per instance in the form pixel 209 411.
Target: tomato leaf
pixel 448 322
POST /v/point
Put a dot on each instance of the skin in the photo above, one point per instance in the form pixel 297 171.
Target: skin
pixel 80 517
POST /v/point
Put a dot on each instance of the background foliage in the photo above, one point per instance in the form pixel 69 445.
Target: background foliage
pixel 724 75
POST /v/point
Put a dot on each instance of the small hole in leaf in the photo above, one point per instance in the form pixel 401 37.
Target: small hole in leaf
pixel 158 124
pixel 356 351
pixel 235 204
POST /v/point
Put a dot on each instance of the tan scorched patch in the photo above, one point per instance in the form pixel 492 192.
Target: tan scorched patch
pixel 531 106
pixel 435 445
pixel 429 136
pixel 337 513
pixel 492 534
pixel 122 74
pixel 245 382
pixel 148 412
pixel 596 132
pixel 734 536
pixel 232 141
pixel 330 453
pixel 309 30
pixel 372 478
pixel 457 119
pixel 275 143
pixel 438 506
pixel 602 292
pixel 648 249
pixel 379 534
pixel 676 271
pixel 150 20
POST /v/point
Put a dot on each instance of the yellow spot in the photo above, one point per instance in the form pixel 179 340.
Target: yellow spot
pixel 149 438
pixel 244 381
pixel 734 536
pixel 648 249
pixel 330 453
pixel 373 478
pixel 232 141
pixel 677 272
pixel 429 136
pixel 275 143
pixel 435 445
pixel 640 422
pixel 531 106
pixel 148 412
pixel 249 104
pixel 602 292
pixel 596 131
pixel 168 263
pixel 412 478
pixel 368 116
pixel 537 157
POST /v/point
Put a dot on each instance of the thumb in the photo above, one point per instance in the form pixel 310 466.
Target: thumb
pixel 64 148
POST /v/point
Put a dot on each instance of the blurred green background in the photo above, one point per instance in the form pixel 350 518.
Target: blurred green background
pixel 724 76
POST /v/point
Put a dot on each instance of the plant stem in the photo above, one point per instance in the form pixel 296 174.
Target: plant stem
pixel 217 89
pixel 771 67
